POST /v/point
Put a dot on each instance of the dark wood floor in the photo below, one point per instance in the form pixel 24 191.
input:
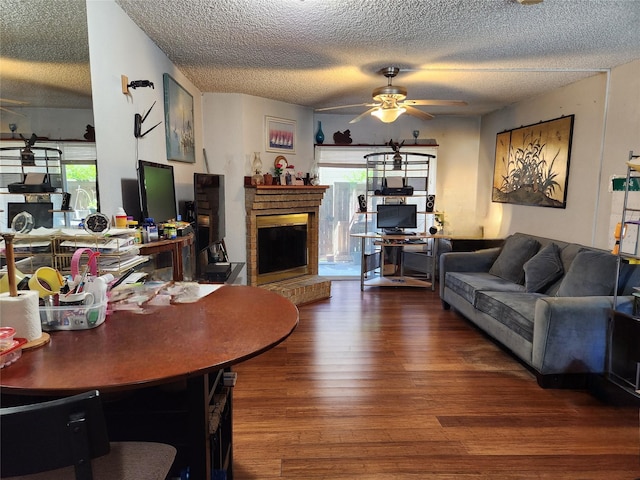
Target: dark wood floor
pixel 384 384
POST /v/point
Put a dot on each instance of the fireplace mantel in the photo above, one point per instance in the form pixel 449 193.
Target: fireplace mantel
pixel 267 197
pixel 285 199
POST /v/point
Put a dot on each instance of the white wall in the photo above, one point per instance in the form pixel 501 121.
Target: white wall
pixel 606 128
pixel 234 130
pixel 52 123
pixel 458 139
pixel 622 135
pixel 585 99
pixel 118 47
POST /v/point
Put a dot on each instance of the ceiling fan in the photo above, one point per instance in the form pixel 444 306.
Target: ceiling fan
pixel 6 102
pixel 390 102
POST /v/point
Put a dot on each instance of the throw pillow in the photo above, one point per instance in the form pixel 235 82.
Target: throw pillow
pixel 591 273
pixel 544 268
pixel 517 249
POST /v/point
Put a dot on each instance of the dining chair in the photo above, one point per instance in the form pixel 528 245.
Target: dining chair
pixel 67 439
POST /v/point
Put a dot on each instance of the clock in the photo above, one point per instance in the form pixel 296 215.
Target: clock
pixel 97 223
pixel 22 222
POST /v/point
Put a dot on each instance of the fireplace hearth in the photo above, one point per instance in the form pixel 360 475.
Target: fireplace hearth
pixel 282 241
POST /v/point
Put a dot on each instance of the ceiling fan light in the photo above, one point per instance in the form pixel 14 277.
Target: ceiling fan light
pixel 388 115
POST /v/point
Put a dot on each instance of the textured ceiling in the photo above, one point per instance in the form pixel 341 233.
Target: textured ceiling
pixel 44 53
pixel 324 53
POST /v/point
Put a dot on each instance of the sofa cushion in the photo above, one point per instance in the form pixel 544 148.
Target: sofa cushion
pixel 515 310
pixel 592 273
pixel 516 251
pixel 467 284
pixel 544 268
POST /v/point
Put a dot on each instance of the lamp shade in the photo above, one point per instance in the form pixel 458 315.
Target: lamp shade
pixel 388 115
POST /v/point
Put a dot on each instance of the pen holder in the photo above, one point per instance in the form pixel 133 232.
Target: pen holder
pixel 73 317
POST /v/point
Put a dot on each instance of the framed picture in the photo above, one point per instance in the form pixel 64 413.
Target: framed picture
pixel 532 164
pixel 280 135
pixel 178 121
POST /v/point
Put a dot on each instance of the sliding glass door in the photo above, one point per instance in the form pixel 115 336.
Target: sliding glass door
pixel 339 253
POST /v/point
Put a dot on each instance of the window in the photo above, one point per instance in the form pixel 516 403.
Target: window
pixel 343 169
pixel 339 253
pixel 80 179
pixel 73 171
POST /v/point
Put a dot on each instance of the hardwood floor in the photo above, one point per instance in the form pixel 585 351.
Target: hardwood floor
pixel 384 384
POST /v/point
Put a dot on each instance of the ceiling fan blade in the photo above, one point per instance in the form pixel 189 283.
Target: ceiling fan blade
pixel 447 103
pixel 344 106
pixel 11 111
pixel 418 113
pixel 363 114
pixel 13 102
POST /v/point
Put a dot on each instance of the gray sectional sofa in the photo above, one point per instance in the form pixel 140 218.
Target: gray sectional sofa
pixel 545 300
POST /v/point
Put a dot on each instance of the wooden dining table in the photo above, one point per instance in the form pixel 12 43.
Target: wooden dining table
pixel 179 347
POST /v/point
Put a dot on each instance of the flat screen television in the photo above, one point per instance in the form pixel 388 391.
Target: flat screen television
pixel 397 217
pixel 157 191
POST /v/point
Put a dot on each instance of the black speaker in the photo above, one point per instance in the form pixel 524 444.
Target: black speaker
pixel 431 203
pixel 66 201
pixel 363 203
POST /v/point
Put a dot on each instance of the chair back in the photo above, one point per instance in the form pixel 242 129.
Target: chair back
pixel 46 436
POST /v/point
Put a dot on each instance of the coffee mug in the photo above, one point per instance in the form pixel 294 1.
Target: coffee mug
pixel 46 281
pixel 73 299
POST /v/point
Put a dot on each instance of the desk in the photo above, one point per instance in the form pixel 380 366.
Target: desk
pixel 394 241
pixel 185 342
pixel 370 262
pixel 174 246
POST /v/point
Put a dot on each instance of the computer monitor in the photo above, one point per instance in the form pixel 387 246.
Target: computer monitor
pixel 157 191
pixel 397 216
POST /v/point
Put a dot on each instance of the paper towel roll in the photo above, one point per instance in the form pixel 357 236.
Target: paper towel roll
pixel 22 313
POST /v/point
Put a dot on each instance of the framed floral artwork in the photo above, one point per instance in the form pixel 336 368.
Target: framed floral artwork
pixel 178 121
pixel 532 164
pixel 280 135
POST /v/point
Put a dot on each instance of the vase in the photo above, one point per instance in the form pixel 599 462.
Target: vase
pixel 256 165
pixel 319 134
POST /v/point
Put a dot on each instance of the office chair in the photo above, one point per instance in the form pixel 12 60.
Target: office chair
pixel 67 439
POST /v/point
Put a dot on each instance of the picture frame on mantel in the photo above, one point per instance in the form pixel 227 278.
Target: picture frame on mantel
pixel 280 135
pixel 532 164
pixel 178 121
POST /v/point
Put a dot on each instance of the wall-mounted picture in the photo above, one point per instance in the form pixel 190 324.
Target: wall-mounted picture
pixel 532 164
pixel 178 120
pixel 280 135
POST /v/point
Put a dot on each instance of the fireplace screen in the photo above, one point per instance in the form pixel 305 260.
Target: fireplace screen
pixel 282 246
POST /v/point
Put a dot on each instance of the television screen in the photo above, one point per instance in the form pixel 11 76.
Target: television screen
pixel 157 191
pixel 397 216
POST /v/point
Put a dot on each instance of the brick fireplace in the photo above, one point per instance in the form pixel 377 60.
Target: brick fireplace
pixel 274 201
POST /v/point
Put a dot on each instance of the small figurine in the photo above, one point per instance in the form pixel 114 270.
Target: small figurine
pixel 342 138
pixel 90 134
